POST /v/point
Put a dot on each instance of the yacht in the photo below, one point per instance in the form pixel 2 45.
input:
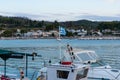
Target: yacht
pixel 98 70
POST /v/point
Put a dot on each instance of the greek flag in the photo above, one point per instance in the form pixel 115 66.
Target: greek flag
pixel 62 31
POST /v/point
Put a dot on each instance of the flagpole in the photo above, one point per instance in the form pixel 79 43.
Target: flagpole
pixel 59 38
pixel 61 32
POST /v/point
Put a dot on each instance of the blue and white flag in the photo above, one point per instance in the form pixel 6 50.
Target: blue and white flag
pixel 62 31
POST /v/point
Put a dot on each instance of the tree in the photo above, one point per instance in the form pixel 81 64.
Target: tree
pixel 69 34
pixel 1 29
pixel 23 31
pixel 55 25
pixel 7 33
pixel 49 27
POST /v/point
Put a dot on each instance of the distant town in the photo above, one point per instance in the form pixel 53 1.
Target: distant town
pixel 71 33
pixel 24 28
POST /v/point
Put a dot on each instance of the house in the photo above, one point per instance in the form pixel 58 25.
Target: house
pixel 18 33
pixel 116 33
pixel 1 31
pixel 71 30
pixel 54 33
pixel 97 33
pixel 81 32
pixel 34 34
pixel 46 34
pixel 28 34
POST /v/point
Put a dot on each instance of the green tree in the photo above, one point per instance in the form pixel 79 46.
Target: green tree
pixel 7 33
pixel 1 29
pixel 69 34
pixel 23 31
pixel 55 25
pixel 49 27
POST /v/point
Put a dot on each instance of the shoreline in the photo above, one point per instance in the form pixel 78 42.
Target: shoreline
pixel 79 38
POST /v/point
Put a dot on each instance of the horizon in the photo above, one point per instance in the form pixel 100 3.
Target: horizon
pixel 62 10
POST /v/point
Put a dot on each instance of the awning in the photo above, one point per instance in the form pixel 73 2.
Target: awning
pixel 6 54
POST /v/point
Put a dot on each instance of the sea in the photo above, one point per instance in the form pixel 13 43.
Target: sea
pixel 50 49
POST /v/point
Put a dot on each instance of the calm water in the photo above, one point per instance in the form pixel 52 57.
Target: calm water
pixel 108 50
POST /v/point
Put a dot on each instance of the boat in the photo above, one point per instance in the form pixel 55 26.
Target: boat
pixel 64 70
pixel 6 54
pixel 75 66
pixel 98 70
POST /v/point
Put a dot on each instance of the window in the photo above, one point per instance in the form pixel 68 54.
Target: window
pixel 84 57
pixel 62 74
pixel 82 74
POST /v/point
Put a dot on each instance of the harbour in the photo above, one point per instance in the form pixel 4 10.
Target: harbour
pixel 60 40
pixel 108 50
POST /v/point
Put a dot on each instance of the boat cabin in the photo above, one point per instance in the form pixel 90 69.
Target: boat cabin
pixel 83 56
pixel 64 71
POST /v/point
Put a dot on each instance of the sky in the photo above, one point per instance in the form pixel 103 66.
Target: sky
pixel 62 10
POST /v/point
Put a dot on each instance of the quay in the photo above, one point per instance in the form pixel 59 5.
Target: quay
pixel 80 38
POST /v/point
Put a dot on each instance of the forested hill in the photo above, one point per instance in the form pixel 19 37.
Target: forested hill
pixel 16 22
pixel 23 22
pixel 81 24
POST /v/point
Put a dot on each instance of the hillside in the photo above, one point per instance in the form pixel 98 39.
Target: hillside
pixel 81 24
pixel 23 22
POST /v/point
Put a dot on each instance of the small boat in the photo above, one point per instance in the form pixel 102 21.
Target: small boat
pixel 98 70
pixel 6 54
pixel 64 70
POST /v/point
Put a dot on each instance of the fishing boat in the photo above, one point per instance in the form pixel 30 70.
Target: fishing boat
pixel 98 70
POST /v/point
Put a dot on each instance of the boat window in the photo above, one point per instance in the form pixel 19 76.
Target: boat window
pixel 62 74
pixel 93 55
pixel 82 74
pixel 85 57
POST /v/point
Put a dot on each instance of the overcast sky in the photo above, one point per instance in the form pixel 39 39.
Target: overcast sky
pixel 62 10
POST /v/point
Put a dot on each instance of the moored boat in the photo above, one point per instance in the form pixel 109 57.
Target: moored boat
pixel 98 70
pixel 6 54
